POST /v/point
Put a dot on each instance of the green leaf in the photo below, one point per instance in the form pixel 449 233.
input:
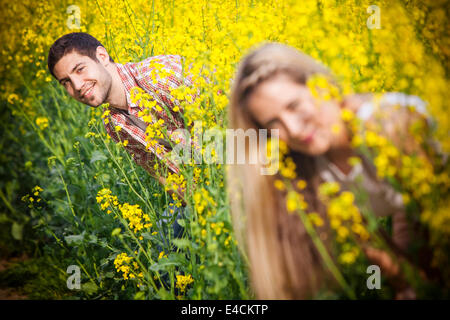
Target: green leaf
pixel 165 295
pixel 89 288
pixel 139 295
pixel 4 217
pixel 98 156
pixel 182 243
pixel 73 189
pixel 182 222
pixel 92 238
pixel 178 258
pixel 17 231
pixel 74 239
pixel 116 232
pixel 212 247
pixel 162 265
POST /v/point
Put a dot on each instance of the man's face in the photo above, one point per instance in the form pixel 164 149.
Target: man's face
pixel 86 80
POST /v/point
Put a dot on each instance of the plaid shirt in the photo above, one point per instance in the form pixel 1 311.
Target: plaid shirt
pixel 144 75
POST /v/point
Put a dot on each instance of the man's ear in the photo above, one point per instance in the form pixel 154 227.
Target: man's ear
pixel 102 56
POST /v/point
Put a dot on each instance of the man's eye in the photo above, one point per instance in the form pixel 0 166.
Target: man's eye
pixel 80 69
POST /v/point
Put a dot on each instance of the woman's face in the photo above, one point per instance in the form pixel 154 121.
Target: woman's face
pixel 280 103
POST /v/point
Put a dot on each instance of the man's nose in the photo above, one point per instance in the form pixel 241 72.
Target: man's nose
pixel 77 84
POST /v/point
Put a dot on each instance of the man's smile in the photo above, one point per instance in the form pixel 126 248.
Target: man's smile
pixel 88 92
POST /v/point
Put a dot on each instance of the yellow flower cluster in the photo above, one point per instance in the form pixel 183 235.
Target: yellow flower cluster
pixel 158 71
pixel 287 168
pixel 218 227
pixel 106 113
pixel 345 219
pixel 129 268
pixel 344 215
pixel 107 199
pixel 349 254
pixel 183 94
pixel 183 282
pixel 162 254
pixel 205 206
pixel 438 219
pixel 417 176
pixel 328 189
pixel 177 183
pixel 295 201
pixel 322 88
pixel 34 198
pixel 361 56
pixel 415 173
pixel 315 219
pixel 37 190
pixel 137 220
pixel 42 122
pixel 203 200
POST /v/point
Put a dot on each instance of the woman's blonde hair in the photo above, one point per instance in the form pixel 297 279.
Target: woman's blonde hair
pixel 283 261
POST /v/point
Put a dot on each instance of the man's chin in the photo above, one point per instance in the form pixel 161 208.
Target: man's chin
pixel 91 104
pixel 94 103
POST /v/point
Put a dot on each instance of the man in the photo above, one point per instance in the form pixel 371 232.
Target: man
pixel 82 65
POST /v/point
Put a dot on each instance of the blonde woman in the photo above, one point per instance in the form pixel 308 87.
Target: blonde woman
pixel 270 92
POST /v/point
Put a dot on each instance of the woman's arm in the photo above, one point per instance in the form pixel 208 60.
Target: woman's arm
pixel 398 124
pixel 397 115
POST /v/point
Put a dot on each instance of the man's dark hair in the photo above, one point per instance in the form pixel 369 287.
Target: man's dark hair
pixel 82 43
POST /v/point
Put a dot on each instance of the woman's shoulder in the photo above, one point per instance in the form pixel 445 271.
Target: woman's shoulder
pixel 366 104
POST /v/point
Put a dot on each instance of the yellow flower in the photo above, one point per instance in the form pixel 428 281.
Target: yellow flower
pixel 301 184
pixel 162 255
pixel 183 282
pixel 121 263
pixel 342 233
pixel 137 220
pixel 279 185
pixel 349 257
pixel 329 188
pixel 347 115
pixel 315 219
pixel 42 122
pixel 347 198
pixel 292 201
